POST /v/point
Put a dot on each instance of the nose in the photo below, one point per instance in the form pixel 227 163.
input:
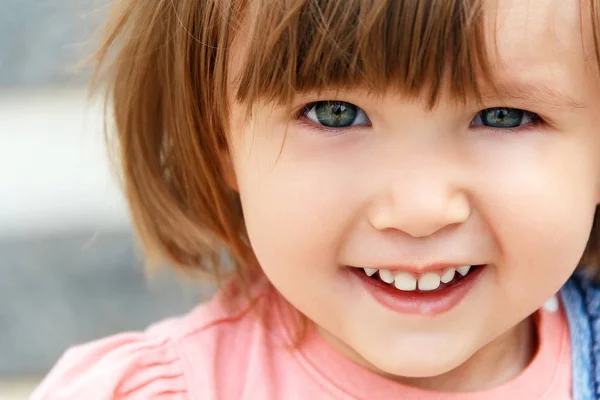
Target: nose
pixel 420 205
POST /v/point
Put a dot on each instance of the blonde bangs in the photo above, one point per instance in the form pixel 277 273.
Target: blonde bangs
pixel 409 46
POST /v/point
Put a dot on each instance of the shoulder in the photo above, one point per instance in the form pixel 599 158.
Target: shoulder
pixel 120 367
pixel 155 363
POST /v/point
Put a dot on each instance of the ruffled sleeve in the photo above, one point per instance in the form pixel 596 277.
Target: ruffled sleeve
pixel 127 366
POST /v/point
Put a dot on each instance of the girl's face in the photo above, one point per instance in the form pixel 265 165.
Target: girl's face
pixel 390 185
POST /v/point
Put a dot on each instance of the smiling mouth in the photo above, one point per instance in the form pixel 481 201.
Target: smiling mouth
pixel 429 293
pixel 425 282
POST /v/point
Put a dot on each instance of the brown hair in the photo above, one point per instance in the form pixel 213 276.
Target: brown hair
pixel 166 66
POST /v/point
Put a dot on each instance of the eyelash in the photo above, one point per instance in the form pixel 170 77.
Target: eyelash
pixel 300 117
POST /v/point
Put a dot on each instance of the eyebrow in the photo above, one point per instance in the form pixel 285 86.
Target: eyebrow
pixel 531 93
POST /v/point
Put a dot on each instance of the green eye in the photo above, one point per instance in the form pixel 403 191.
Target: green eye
pixel 335 114
pixel 504 118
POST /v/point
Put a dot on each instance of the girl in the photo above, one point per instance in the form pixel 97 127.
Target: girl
pixel 403 187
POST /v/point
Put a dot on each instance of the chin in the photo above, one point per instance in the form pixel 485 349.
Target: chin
pixel 415 365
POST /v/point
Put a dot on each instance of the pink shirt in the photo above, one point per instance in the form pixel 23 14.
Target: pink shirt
pixel 218 352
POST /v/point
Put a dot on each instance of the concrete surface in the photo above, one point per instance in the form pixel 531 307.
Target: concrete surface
pixel 42 41
pixel 69 268
pixel 54 169
pixel 69 265
pixel 60 291
pixel 18 389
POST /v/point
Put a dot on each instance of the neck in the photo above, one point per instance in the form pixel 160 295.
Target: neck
pixel 497 363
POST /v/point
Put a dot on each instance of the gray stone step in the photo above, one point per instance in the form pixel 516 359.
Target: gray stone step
pixel 59 291
pixel 41 41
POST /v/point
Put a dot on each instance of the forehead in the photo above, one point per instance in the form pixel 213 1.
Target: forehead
pixel 549 21
pixel 523 40
pixel 535 39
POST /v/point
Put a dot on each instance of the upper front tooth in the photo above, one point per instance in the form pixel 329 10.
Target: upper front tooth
pixel 386 275
pixel 370 271
pixel 405 281
pixel 448 275
pixel 464 269
pixel 429 281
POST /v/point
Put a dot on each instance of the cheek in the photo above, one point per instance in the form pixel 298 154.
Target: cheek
pixel 295 214
pixel 540 207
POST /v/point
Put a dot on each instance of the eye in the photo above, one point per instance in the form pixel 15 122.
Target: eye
pixel 335 114
pixel 504 118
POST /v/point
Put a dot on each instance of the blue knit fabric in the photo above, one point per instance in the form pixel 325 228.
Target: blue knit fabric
pixel 581 299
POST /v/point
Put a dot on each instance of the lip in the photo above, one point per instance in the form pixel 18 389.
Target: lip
pixel 439 267
pixel 418 303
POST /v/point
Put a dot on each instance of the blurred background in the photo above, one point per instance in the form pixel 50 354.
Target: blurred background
pixel 70 270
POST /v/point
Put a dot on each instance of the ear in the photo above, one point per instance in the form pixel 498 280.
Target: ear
pixel 227 169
